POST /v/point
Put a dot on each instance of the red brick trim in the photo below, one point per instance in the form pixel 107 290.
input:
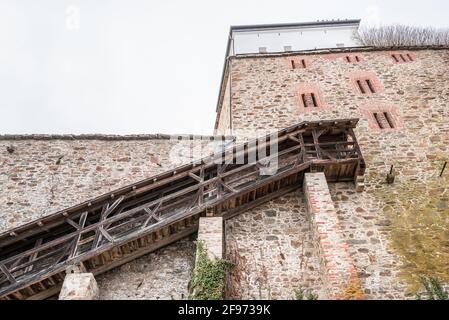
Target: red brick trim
pixel 337 270
pixel 401 56
pixel 360 77
pixel 369 109
pixel 334 56
pixel 307 89
pixel 299 62
pixel 353 58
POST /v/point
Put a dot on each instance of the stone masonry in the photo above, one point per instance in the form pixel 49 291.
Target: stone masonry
pixel 210 233
pixel 272 250
pixel 47 173
pixel 394 232
pixel 387 234
pixel 79 285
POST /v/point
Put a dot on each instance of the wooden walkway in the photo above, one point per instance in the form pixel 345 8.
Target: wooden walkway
pixel 122 225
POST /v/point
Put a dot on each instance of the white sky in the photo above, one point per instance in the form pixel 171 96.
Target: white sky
pixel 141 66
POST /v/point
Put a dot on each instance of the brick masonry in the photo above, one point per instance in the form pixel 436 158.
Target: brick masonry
pixel 339 275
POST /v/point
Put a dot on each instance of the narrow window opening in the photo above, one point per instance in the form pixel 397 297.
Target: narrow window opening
pixel 362 90
pixel 378 120
pixel 409 57
pixel 293 64
pixel 389 120
pixel 348 59
pixel 370 86
pixel 395 58
pixel 357 58
pixel 314 100
pixel 304 102
pixel 303 62
pixel 402 57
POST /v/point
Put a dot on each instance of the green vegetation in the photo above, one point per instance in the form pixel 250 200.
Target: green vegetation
pixel 434 290
pixel 301 294
pixel 209 276
pixel 415 215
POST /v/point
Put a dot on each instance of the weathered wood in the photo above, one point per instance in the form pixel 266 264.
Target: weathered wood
pixel 160 207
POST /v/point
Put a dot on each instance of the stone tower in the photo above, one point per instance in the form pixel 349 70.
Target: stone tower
pixel 389 231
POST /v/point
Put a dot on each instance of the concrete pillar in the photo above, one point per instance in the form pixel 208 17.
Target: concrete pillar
pixel 79 285
pixel 337 269
pixel 210 232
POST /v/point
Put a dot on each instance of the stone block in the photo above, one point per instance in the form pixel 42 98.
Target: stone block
pixel 79 286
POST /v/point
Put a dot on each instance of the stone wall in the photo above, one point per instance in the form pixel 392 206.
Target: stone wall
pixel 223 121
pixel 210 233
pixel 45 174
pixel 272 251
pixel 161 275
pixel 394 232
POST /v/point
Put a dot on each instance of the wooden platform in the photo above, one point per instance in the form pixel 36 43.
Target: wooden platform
pixel 122 225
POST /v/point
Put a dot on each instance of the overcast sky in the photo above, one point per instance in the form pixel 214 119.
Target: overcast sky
pixel 141 66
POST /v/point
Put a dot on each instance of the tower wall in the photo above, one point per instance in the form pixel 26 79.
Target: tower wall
pixel 392 230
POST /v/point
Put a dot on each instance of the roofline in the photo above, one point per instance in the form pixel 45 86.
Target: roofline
pixel 272 26
pixel 112 137
pixel 294 25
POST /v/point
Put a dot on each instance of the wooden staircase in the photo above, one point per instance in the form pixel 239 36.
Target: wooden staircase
pixel 122 225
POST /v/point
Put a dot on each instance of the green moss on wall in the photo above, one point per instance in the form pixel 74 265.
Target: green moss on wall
pixel 416 213
pixel 209 276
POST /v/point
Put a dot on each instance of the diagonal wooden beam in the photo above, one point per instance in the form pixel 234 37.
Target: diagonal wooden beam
pixel 8 275
pixel 34 255
pixel 78 237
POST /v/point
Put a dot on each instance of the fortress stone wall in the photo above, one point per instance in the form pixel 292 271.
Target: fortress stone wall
pixel 45 174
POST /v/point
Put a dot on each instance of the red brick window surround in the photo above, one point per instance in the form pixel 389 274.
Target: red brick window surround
pixel 298 62
pixel 383 120
pixel 365 82
pixel 381 117
pixel 309 97
pixel 309 100
pixel 354 58
pixel 402 57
